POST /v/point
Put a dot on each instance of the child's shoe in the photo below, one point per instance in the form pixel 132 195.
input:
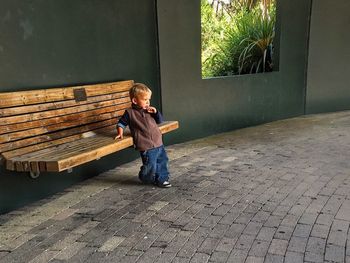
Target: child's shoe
pixel 165 184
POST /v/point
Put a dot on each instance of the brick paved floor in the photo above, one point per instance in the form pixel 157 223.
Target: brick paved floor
pixel 278 192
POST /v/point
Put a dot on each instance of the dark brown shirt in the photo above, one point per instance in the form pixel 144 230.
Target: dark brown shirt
pixel 144 129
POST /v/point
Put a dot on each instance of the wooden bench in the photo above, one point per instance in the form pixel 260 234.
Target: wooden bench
pixel 53 130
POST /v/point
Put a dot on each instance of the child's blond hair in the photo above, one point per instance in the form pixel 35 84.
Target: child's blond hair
pixel 138 89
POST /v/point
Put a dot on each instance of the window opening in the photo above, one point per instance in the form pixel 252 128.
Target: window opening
pixel 238 37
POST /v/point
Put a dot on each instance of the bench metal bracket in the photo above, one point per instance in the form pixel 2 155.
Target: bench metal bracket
pixel 34 175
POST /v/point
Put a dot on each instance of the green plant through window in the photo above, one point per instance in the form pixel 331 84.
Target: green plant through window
pixel 237 36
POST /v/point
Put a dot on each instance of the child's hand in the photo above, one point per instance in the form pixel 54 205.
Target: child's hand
pixel 151 109
pixel 120 132
pixel 119 136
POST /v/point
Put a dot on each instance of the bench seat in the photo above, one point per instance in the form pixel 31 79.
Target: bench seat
pixel 93 146
pixel 54 131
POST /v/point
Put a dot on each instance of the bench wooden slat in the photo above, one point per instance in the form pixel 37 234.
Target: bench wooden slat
pixel 70 143
pixel 56 127
pixel 53 136
pixel 20 98
pixel 62 165
pixel 71 116
pixel 13 111
pixel 68 150
pixel 24 118
pixel 44 145
pixel 58 152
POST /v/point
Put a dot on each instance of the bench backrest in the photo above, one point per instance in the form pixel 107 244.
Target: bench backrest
pixel 38 119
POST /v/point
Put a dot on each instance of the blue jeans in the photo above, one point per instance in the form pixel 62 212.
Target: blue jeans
pixel 154 167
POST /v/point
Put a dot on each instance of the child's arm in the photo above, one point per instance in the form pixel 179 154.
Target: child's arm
pixel 122 123
pixel 156 114
pixel 120 132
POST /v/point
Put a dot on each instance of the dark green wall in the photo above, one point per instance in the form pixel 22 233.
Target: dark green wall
pixel 209 106
pixel 50 43
pixel 328 86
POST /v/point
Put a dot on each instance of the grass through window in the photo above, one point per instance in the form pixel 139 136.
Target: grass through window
pixel 237 36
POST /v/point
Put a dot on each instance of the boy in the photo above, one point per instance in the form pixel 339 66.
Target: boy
pixel 142 120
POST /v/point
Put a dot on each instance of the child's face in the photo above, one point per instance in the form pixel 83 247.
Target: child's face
pixel 142 100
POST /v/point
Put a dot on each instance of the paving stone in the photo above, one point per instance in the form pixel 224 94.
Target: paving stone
pixel 218 257
pixel 273 221
pixel 178 241
pixel 244 242
pixel 218 231
pixel 290 220
pixel 315 249
pixel 320 231
pixel 70 251
pixel 266 233
pixel 194 224
pixel 3 254
pixel 226 244
pixel 284 232
pixel 244 218
pixel 333 205
pixel 235 230
pixel 65 214
pixel 211 221
pixel 334 253
pixel 168 235
pixel 302 230
pixel 340 226
pixel 190 247
pixel 237 255
pixel 294 257
pixel 297 244
pixel 195 208
pixel 24 253
pixel 204 213
pixel 151 255
pixel 145 243
pixel 222 210
pixel 165 258
pixel 57 261
pixel 82 255
pixel 208 245
pixel 270 258
pixel 325 219
pixel 125 228
pixel 259 249
pixel 270 206
pixel 111 244
pixel 281 210
pixel 317 204
pixel 253 259
pixel 200 258
pixel 278 247
pixel 134 252
pixel 133 239
pixel 128 259
pixel 261 216
pixel 337 238
pixel 228 218
pixel 252 228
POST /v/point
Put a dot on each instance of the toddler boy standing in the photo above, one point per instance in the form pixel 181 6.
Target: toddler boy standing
pixel 142 120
